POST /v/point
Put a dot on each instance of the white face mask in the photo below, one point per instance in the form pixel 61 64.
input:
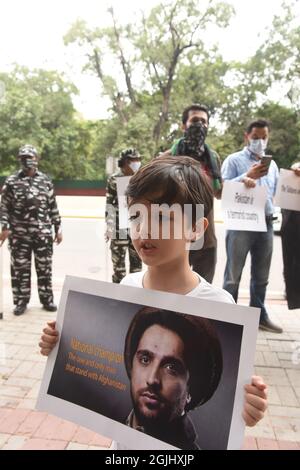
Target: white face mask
pixel 28 163
pixel 135 166
pixel 258 146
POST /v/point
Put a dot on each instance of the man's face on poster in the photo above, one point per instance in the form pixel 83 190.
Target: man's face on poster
pixel 159 377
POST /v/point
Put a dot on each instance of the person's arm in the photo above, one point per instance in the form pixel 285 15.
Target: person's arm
pixel 255 401
pixel 230 172
pixel 218 192
pixel 49 338
pixel 54 214
pixel 5 209
pixel 274 174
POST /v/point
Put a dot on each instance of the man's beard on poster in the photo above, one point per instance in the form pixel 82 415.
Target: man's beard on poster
pixel 166 414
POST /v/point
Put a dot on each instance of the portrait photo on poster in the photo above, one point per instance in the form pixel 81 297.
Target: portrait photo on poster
pixel 160 377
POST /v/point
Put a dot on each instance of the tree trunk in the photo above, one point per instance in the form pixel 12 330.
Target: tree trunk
pixel 124 63
pixel 166 92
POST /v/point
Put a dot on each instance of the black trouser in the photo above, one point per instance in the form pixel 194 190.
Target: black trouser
pixel 21 250
pixel 290 238
pixel 204 262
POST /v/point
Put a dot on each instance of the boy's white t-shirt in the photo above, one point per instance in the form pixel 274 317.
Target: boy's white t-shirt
pixel 204 290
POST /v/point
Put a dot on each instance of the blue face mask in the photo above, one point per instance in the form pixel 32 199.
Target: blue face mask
pixel 258 146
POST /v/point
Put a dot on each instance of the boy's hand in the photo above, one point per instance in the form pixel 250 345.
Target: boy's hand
pixel 49 338
pixel 255 401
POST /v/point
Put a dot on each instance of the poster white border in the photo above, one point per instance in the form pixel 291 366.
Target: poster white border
pixel 247 317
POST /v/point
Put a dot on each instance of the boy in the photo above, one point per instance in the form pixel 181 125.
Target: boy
pixel 172 180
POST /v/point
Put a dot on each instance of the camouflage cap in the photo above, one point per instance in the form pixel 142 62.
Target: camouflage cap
pixel 27 151
pixel 129 153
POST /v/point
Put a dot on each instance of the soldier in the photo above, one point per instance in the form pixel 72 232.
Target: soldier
pixel 129 163
pixel 28 211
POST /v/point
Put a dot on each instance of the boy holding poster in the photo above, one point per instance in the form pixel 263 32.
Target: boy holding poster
pixel 176 182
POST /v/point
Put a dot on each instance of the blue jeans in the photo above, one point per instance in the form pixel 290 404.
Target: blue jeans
pixel 260 246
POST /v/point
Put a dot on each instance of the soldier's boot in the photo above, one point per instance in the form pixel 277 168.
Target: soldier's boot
pixel 50 307
pixel 20 308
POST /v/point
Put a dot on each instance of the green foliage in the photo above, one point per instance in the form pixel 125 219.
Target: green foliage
pixel 284 143
pixel 37 108
pixel 161 64
pixel 156 46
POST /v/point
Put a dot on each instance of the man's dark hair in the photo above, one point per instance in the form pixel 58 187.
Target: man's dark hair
pixel 194 107
pixel 260 123
pixel 202 348
pixel 170 180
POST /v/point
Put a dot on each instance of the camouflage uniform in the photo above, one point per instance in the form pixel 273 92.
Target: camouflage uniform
pixel 120 239
pixel 28 210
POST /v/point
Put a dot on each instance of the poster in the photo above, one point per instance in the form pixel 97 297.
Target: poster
pixel 288 191
pixel 244 208
pixel 132 360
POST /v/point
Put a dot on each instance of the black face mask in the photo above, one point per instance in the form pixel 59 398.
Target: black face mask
pixel 194 138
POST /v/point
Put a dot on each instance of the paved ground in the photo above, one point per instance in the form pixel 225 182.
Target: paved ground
pixel 21 369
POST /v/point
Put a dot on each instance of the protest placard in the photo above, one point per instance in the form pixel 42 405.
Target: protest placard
pixel 288 191
pixel 135 368
pixel 244 208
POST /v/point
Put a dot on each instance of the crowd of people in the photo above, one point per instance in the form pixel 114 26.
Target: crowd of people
pixel 188 173
pixel 244 166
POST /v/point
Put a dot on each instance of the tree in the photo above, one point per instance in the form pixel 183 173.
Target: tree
pixel 155 46
pixel 37 108
pixel 275 64
pixel 167 40
pixel 284 142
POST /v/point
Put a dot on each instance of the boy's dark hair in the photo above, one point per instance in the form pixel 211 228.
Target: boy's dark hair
pixel 260 123
pixel 202 348
pixel 171 180
pixel 194 107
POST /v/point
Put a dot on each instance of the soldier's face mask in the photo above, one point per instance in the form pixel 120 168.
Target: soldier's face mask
pixel 28 163
pixel 135 166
